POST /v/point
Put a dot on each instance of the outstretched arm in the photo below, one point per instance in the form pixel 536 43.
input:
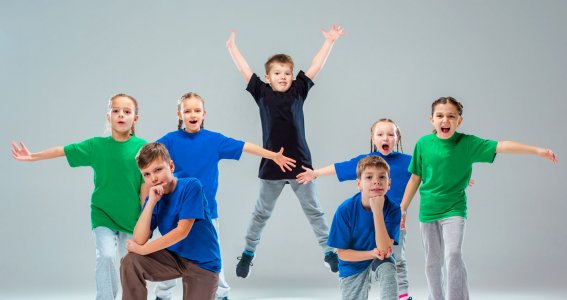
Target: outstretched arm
pixel 309 174
pixel 283 161
pixel 514 147
pixel 321 57
pixel 411 189
pixel 22 153
pixel 237 57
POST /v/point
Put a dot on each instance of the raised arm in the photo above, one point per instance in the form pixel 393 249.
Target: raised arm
pixel 309 174
pixel 237 57
pixel 283 161
pixel 517 148
pixel 411 189
pixel 321 57
pixel 22 153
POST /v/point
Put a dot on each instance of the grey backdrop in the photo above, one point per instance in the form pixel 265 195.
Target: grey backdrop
pixel 505 60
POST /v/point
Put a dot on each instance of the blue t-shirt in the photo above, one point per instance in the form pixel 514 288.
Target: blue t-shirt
pixel 353 228
pixel 282 119
pixel 198 154
pixel 187 201
pixel 399 173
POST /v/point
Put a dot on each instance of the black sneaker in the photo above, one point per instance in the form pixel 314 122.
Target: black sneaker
pixel 332 261
pixel 243 266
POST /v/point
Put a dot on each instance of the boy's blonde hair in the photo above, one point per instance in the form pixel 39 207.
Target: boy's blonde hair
pixel 278 58
pixel 150 153
pixel 371 162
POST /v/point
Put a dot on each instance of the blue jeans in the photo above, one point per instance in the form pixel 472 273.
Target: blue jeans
pixel 110 248
pixel 270 190
pixel 401 268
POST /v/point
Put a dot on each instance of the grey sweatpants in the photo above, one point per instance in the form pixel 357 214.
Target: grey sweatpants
pixel 357 287
pixel 270 190
pixel 443 241
pixel 401 265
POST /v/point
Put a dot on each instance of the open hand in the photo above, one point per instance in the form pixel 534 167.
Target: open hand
pixel 306 176
pixel 283 161
pixel 334 33
pixel 21 152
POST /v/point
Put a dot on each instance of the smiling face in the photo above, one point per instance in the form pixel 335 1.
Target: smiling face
pixel 385 137
pixel 373 182
pixel 122 116
pixel 445 120
pixel 192 112
pixel 280 76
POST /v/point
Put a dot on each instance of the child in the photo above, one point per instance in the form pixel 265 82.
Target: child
pixel 443 162
pixel 364 229
pixel 197 152
pixel 384 136
pixel 188 247
pixel 281 112
pixel 115 202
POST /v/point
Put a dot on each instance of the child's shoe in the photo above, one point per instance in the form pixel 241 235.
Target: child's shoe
pixel 243 266
pixel 404 297
pixel 332 261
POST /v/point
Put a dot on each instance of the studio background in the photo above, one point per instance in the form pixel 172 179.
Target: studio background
pixel 60 62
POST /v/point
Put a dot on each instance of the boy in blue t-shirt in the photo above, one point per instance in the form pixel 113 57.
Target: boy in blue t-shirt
pixel 280 102
pixel 364 229
pixel 188 247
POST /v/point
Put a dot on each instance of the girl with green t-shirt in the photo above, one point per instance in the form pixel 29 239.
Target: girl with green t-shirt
pixel 115 202
pixel 442 165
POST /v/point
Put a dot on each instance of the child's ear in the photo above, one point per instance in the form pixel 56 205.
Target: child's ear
pixel 136 118
pixel 267 78
pixel 358 184
pixel 459 121
pixel 204 112
pixel 171 165
pixel 179 115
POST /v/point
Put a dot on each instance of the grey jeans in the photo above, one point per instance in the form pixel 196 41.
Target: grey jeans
pixel 443 241
pixel 357 286
pixel 270 190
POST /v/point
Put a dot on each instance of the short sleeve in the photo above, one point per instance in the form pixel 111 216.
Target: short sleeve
pixel 79 154
pixel 482 150
pixel 303 84
pixel 415 166
pixel 230 148
pixel 346 170
pixel 339 234
pixel 255 86
pixel 165 141
pixel 193 202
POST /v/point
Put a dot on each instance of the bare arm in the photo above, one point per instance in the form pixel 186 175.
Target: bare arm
pixel 22 153
pixel 142 229
pixel 283 161
pixel 356 255
pixel 321 57
pixel 237 57
pixel 517 148
pixel 309 174
pixel 171 238
pixel 144 191
pixel 383 241
pixel 411 189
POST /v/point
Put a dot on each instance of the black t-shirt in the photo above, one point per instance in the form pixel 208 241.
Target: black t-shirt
pixel 281 114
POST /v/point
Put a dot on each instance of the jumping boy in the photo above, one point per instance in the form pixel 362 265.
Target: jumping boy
pixel 188 247
pixel 280 101
pixel 364 229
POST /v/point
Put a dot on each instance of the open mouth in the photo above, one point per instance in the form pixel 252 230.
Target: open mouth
pixel 193 122
pixel 386 147
pixel 445 129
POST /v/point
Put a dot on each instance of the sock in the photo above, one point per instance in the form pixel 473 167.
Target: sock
pixel 328 253
pixel 249 253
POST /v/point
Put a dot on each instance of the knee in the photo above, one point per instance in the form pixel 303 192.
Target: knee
pixel 261 216
pixel 454 256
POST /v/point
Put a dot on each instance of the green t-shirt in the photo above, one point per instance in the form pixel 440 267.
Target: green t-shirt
pixel 115 202
pixel 445 167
